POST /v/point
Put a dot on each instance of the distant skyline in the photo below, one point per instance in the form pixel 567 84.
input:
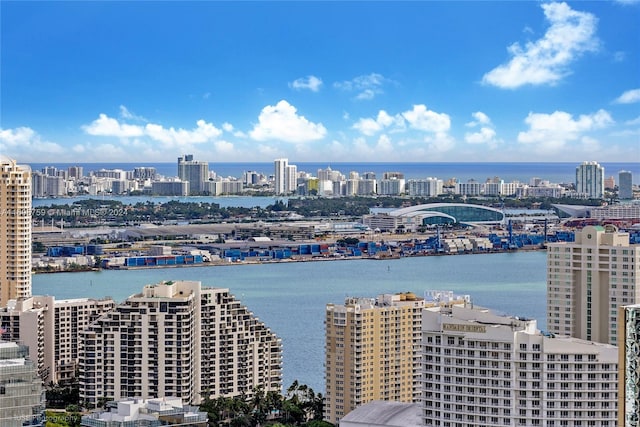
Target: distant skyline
pixel 326 81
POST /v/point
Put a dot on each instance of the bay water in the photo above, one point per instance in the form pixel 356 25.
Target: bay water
pixel 290 297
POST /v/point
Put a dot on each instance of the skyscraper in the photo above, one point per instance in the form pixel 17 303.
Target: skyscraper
pixel 22 396
pixel 194 172
pixel 372 351
pixel 482 369
pixel 625 185
pixel 629 369
pixel 280 173
pixel 590 180
pixel 587 280
pixel 285 177
pixel 178 339
pixel 15 230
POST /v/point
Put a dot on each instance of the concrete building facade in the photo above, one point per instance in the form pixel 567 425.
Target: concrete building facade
pixel 629 367
pixel 588 280
pixel 590 180
pixel 15 229
pixel 371 351
pixel 194 172
pixel 625 185
pixel 22 397
pixel 178 339
pixel 51 329
pixel 481 369
pixel 165 412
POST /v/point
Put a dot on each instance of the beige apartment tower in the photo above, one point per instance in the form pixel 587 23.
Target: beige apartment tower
pixel 588 280
pixel 372 352
pixel 177 339
pixel 15 230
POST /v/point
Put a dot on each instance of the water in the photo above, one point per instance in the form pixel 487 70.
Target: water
pixel 291 297
pixel 562 172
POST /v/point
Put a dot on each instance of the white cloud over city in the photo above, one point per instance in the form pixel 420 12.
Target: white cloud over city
pixel 282 122
pixel 571 34
pixel 551 133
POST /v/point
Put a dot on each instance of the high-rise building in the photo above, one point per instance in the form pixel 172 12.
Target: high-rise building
pixel 15 230
pixel 280 174
pixel 629 367
pixel 372 350
pixel 51 328
pixel 587 280
pixel 75 172
pixel 429 187
pixel 22 396
pixel 194 172
pixel 590 180
pixel 285 177
pixel 482 369
pixel 625 185
pixel 181 340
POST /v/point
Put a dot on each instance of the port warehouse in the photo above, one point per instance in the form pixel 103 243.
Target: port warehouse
pixel 267 250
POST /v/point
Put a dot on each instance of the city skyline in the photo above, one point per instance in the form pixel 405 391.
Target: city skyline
pixel 515 81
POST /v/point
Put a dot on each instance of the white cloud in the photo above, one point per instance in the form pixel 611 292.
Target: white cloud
pixel 311 83
pixel 281 122
pixel 545 61
pixel 369 126
pixel 629 97
pixel 441 142
pixel 421 118
pixel 223 147
pixel 26 145
pixel 552 132
pixel 484 136
pixel 367 86
pixel 126 114
pixel 480 119
pixel 107 126
pixel 633 122
pixel 203 132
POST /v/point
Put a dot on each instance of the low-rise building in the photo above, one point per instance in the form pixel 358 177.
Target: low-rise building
pixel 167 411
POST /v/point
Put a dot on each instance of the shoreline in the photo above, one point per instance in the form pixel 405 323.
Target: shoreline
pixel 222 263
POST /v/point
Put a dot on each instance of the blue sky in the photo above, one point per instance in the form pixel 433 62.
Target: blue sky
pixel 332 81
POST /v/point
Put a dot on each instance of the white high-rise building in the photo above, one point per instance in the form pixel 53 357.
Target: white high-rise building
pixel 625 185
pixel 51 328
pixel 22 396
pixel 291 178
pixel 280 175
pixel 430 187
pixel 481 369
pixel 587 280
pixel 629 369
pixel 590 180
pixel 194 172
pixel 181 340
pixel 15 230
